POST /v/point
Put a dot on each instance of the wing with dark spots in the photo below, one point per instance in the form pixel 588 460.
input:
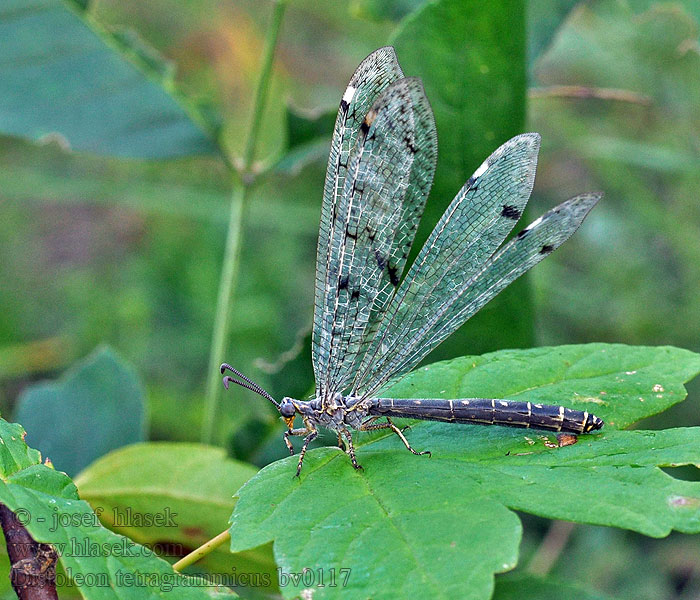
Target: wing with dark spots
pixel 511 212
pixel 373 75
pixel 473 227
pixel 421 331
pixel 389 174
pixel 441 291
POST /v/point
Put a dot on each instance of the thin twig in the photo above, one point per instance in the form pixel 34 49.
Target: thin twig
pixel 243 180
pixel 272 367
pixel 202 551
pixel 33 570
pixel 551 547
pixel 580 91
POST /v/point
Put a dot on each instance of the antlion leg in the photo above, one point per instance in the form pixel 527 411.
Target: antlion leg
pixel 300 431
pixel 351 448
pixel 369 425
pixel 307 440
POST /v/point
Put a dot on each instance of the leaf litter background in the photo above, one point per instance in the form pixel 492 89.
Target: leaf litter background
pixel 127 252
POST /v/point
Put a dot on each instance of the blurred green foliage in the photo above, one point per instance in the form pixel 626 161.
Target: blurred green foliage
pixel 128 252
pixel 81 406
pixel 86 87
pixel 100 563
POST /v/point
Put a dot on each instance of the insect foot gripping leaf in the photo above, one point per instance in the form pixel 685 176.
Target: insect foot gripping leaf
pixel 441 528
pixel 370 326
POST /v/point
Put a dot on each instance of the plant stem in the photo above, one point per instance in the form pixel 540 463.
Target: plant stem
pixel 263 82
pixel 551 548
pixel 32 564
pixel 202 551
pixel 227 283
pixel 242 182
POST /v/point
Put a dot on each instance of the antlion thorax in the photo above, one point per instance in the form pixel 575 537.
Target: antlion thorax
pixel 337 413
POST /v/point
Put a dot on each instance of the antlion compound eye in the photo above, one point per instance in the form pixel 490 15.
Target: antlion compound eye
pixel 287 408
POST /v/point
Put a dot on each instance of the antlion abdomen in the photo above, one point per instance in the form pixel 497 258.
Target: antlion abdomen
pixel 488 412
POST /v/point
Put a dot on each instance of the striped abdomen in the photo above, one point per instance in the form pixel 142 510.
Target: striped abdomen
pixel 488 412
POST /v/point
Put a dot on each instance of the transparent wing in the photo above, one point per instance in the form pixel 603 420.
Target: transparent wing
pixel 426 312
pixel 389 175
pixel 373 75
pixel 425 151
pixel 423 330
pixel 519 255
pixel 474 225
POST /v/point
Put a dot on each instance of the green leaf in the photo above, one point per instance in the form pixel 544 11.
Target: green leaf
pixel 194 483
pixel 621 384
pixel 100 562
pixel 472 63
pixel 442 526
pixel 305 127
pixel 174 495
pixel 308 138
pixel 15 455
pixel 97 406
pixel 64 77
pixel 528 587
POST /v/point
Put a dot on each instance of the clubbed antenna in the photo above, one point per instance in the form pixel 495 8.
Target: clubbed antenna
pixel 245 382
